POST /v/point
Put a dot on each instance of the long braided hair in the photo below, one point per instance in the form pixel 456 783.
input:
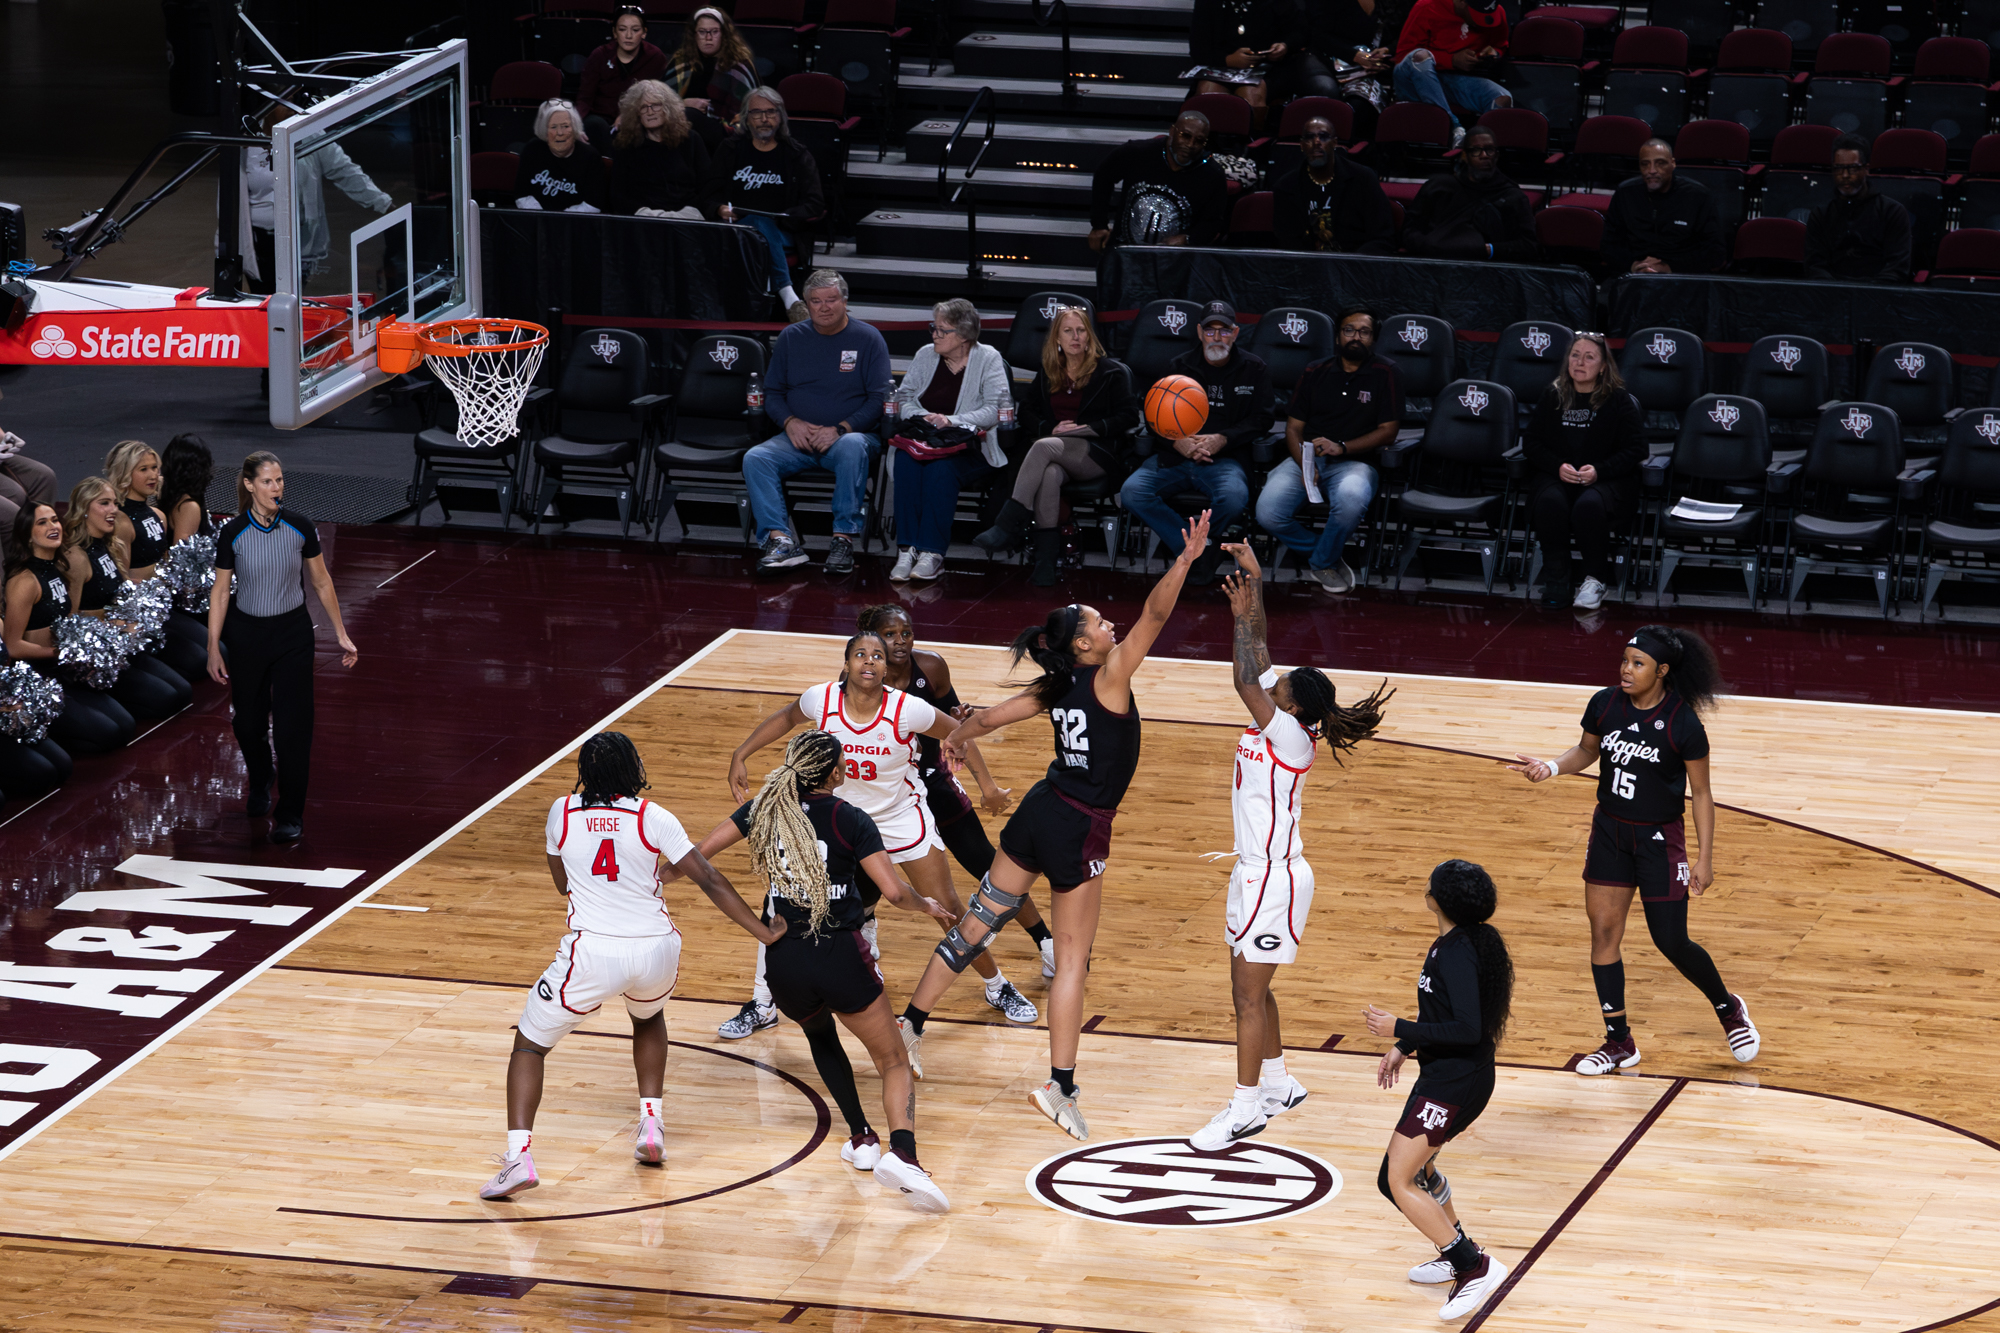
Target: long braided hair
pixel 1465 893
pixel 609 767
pixel 783 843
pixel 1341 728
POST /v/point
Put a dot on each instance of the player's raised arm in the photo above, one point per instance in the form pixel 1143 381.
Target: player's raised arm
pixel 1126 656
pixel 1252 653
pixel 770 729
pixel 989 720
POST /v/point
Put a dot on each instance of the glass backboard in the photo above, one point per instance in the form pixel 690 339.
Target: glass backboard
pixel 374 221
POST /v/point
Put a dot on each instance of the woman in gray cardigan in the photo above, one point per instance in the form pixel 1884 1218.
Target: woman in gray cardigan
pixel 956 381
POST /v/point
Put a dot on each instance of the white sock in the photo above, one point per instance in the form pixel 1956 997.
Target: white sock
pixel 1273 1072
pixel 995 982
pixel 650 1106
pixel 788 296
pixel 1246 1097
pixel 518 1141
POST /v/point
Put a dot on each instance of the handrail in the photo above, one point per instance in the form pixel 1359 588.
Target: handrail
pixel 1059 11
pixel 973 273
pixel 84 238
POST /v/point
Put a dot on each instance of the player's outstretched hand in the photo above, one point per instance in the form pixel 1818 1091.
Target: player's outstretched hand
pixel 937 911
pixel 1246 559
pixel 1195 539
pixel 1391 1067
pixel 1241 589
pixel 1531 768
pixel 996 799
pixel 1380 1021
pixel 953 754
pixel 739 779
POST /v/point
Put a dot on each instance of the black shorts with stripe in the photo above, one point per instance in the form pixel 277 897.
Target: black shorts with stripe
pixel 807 976
pixel 1064 840
pixel 1652 858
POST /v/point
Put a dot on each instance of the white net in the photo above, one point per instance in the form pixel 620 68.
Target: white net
pixel 491 378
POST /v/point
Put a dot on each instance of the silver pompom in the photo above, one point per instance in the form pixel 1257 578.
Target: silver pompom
pixel 29 703
pixel 143 608
pixel 90 651
pixel 188 568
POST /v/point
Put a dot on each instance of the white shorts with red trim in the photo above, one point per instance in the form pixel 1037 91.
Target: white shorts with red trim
pixel 909 833
pixel 1268 903
pixel 591 969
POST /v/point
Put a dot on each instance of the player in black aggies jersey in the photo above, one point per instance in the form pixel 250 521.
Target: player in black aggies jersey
pixel 823 968
pixel 1652 753
pixel 1062 829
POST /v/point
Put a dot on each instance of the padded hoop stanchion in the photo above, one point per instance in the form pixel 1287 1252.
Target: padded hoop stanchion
pixel 489 366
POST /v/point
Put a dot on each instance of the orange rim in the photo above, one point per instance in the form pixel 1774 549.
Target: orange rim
pixel 429 344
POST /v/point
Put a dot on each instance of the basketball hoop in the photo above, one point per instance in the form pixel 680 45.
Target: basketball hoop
pixel 488 364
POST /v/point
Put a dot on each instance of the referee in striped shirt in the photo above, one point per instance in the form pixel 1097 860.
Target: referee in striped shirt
pixel 269 633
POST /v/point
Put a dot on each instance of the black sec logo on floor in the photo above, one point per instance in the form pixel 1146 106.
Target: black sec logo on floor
pixel 1170 1183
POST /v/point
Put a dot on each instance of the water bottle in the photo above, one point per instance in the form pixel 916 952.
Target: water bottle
pixel 889 407
pixel 754 398
pixel 1007 414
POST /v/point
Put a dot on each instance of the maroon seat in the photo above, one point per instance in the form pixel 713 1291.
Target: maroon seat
pixel 1250 221
pixel 1646 47
pixel 1517 128
pixel 1909 152
pixel 1410 136
pixel 1572 236
pixel 1545 37
pixel 1806 146
pixel 1302 109
pixel 1770 247
pixel 1607 149
pixel 1712 141
pixel 1754 51
pixel 1864 54
pixel 1953 60
pixel 1227 115
pixel 492 176
pixel 1968 252
pixel 820 96
pixel 525 81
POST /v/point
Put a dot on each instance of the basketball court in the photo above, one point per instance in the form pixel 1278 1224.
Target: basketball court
pixel 315 1140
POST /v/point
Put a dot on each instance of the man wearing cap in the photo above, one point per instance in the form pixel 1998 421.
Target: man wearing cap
pixel 1444 46
pixel 1239 410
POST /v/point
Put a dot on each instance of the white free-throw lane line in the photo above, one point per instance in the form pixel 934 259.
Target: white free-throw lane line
pixel 407 568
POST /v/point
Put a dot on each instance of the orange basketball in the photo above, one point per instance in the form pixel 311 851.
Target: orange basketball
pixel 1176 407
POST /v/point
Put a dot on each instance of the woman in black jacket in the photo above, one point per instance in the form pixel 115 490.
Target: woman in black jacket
pixel 1584 447
pixel 1080 413
pixel 658 163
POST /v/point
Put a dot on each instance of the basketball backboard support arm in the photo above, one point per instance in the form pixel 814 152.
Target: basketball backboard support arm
pixel 320 341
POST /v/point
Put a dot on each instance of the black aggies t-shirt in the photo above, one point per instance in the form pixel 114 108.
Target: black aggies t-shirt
pixel 847 837
pixel 1642 768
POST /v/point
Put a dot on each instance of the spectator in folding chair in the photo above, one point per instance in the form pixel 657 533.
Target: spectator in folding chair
pixel 24 483
pixel 1173 194
pixel 1584 446
pixel 1473 211
pixel 1444 47
pixel 1239 410
pixel 1332 202
pixel 766 179
pixel 1255 50
pixel 959 383
pixel 713 71
pixel 659 165
pixel 1861 234
pixel 828 379
pixel 1660 224
pixel 559 171
pixel 614 67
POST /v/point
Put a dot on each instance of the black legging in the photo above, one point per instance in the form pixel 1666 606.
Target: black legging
pixel 186 648
pixel 1564 512
pixel 92 722
pixel 28 770
pixel 271 689
pixel 149 688
pixel 835 1069
pixel 1667 923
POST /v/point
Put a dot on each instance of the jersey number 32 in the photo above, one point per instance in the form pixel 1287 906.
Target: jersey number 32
pixel 1070 723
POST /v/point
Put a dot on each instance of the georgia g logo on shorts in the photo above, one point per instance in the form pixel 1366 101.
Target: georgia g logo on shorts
pixel 1267 942
pixel 542 989
pixel 1171 1183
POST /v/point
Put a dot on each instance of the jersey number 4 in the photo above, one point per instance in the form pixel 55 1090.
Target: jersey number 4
pixel 1622 784
pixel 862 770
pixel 606 863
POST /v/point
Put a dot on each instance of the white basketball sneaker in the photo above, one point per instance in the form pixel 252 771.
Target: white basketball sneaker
pixel 862 1151
pixel 1063 1109
pixel 913 1042
pixel 1744 1039
pixel 649 1145
pixel 903 1174
pixel 1473 1288
pixel 515 1177
pixel 1277 1097
pixel 1611 1055
pixel 1232 1122
pixel 1436 1271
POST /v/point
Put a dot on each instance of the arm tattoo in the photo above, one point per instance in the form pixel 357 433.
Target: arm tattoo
pixel 1253 656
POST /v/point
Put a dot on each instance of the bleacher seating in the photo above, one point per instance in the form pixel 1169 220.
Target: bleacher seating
pixel 1752 85
pixel 1649 78
pixel 1716 153
pixel 1546 70
pixel 1849 88
pixel 1769 248
pixel 1799 179
pixel 1948 92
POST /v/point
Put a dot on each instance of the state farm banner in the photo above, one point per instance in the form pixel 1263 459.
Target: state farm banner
pixel 175 336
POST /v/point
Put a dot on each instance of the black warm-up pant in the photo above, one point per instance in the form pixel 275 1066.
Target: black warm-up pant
pixel 92 722
pixel 271 690
pixel 149 688
pixel 186 646
pixel 1565 513
pixel 29 769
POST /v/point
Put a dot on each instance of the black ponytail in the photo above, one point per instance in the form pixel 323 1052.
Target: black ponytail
pixel 1692 669
pixel 1341 728
pixel 1465 893
pixel 1052 647
pixel 609 767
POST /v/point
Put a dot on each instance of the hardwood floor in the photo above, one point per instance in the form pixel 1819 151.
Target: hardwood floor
pixel 307 1155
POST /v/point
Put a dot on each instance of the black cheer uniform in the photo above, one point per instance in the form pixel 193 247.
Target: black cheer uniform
pixel 92 722
pixel 186 646
pixel 1062 829
pixel 148 687
pixel 1448 1039
pixel 836 969
pixel 269 634
pixel 1637 836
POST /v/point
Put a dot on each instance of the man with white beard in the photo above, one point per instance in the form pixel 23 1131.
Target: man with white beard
pixel 1239 410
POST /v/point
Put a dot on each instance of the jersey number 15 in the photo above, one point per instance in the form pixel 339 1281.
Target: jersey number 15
pixel 1622 784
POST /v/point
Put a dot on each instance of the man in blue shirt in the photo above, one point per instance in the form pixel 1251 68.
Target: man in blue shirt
pixel 828 380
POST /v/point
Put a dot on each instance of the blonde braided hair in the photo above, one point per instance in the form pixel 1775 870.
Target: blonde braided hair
pixel 778 821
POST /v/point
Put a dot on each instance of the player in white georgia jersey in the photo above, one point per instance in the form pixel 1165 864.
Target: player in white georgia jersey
pixel 1271 889
pixel 605 843
pixel 878 728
